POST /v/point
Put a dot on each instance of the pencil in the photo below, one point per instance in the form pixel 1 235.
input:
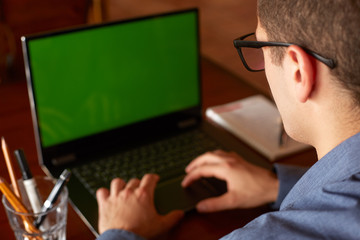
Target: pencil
pixel 10 167
pixel 282 134
pixel 18 207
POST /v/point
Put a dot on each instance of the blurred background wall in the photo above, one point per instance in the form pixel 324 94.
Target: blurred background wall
pixel 221 21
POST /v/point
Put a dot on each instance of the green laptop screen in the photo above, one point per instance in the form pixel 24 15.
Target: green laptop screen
pixel 95 79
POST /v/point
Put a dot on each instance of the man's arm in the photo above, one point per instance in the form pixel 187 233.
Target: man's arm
pixel 288 176
pixel 330 211
pixel 119 234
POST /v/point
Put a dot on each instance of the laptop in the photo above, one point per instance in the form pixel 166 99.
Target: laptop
pixel 121 99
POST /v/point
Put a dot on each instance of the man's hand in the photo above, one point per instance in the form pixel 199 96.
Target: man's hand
pixel 131 207
pixel 248 185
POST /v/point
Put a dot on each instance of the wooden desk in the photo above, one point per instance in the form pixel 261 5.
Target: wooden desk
pixel 219 87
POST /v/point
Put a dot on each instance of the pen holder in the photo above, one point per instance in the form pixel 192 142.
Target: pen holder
pixel 33 197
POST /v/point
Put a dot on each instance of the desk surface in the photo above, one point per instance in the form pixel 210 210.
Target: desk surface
pixel 218 87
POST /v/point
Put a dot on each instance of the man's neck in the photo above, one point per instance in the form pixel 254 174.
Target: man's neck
pixel 336 126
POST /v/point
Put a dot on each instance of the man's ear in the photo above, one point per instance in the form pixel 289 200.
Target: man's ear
pixel 303 72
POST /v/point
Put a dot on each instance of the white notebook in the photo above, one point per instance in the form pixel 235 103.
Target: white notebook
pixel 256 121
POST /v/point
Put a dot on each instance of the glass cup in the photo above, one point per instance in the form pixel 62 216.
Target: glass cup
pixel 53 226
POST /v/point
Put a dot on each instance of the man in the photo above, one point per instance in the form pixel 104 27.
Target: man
pixel 316 88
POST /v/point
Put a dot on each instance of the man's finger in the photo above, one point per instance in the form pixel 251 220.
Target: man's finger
pixel 204 171
pixel 215 204
pixel 102 194
pixel 148 183
pixel 116 186
pixel 206 158
pixel 133 184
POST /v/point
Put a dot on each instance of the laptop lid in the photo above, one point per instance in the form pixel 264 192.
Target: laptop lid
pixel 120 82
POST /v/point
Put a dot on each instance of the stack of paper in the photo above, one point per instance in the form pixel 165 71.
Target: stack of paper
pixel 256 121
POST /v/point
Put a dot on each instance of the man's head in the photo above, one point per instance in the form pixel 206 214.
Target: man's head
pixel 320 105
pixel 328 27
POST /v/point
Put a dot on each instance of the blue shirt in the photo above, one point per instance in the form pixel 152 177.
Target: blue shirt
pixel 323 204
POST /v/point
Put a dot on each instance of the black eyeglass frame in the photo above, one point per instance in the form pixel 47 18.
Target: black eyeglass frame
pixel 240 42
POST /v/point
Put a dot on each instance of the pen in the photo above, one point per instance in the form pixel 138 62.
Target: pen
pixel 10 167
pixel 17 206
pixel 53 196
pixel 28 181
pixel 282 134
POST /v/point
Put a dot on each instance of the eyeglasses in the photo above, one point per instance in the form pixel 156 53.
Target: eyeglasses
pixel 252 55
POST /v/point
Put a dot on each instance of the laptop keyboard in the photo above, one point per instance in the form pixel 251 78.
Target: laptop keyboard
pixel 168 158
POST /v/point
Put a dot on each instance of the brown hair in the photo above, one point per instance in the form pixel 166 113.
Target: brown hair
pixel 330 28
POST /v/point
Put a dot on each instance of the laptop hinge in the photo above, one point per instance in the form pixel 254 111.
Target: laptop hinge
pixel 187 123
pixel 63 160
